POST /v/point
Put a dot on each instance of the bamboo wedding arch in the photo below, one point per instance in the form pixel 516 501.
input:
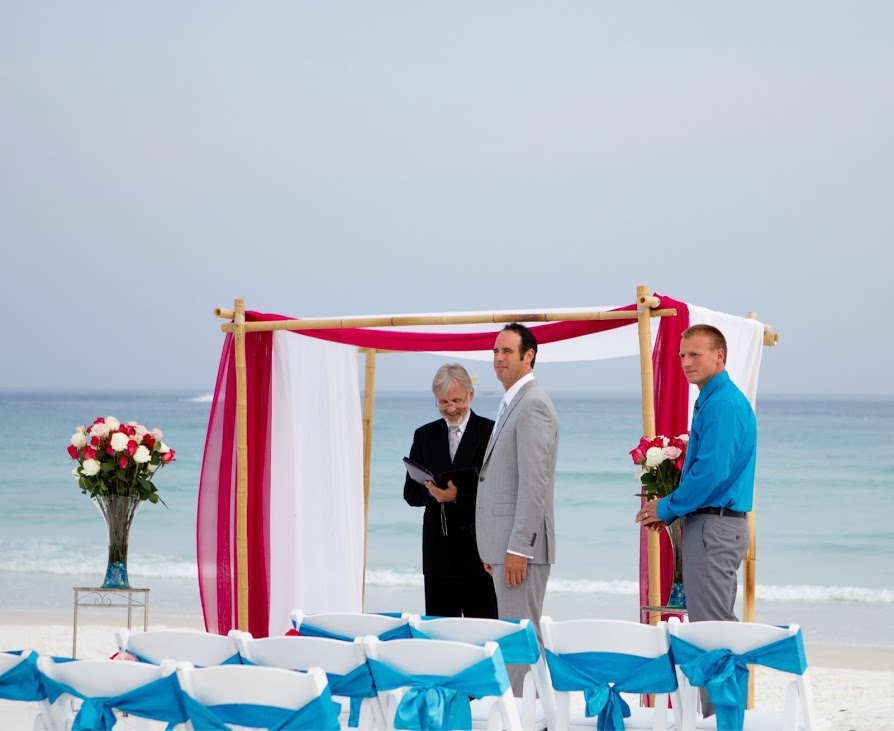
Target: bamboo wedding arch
pixel 647 307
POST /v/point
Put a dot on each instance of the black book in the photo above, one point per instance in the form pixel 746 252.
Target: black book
pixel 460 476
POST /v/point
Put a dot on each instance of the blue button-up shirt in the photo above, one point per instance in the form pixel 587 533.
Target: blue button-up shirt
pixel 719 467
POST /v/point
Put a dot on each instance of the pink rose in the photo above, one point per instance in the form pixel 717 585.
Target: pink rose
pixel 122 462
pixel 168 456
pixel 638 455
pixel 672 452
pixel 89 453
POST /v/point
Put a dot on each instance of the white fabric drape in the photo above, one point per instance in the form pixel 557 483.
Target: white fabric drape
pixel 745 341
pixel 316 476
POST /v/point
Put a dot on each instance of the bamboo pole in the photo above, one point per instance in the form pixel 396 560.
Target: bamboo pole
pixel 407 320
pixel 369 385
pixel 241 469
pixel 749 571
pixel 645 303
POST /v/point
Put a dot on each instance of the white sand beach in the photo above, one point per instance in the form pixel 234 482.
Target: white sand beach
pixel 853 687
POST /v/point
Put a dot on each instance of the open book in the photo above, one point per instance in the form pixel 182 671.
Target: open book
pixel 459 476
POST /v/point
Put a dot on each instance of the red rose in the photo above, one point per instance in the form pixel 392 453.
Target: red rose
pixel 129 430
pixel 89 453
pixel 122 462
pixel 131 447
pixel 110 451
pixel 73 451
pixel 638 455
pixel 148 441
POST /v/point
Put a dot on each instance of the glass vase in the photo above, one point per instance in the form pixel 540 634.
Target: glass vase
pixel 118 511
pixel 677 596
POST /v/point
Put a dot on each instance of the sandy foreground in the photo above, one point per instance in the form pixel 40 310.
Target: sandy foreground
pixel 853 686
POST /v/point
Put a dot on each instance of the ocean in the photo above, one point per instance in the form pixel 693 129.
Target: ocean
pixel 824 544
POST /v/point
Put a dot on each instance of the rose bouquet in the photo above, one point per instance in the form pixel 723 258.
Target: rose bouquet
pixel 116 459
pixel 661 460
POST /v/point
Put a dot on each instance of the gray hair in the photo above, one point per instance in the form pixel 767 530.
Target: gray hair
pixel 448 375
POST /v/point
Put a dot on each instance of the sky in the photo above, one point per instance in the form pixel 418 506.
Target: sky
pixel 159 160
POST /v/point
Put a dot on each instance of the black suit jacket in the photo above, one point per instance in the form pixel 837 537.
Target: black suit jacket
pixel 454 555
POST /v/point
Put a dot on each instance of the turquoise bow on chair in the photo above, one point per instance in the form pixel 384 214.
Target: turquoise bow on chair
pixel 724 674
pixel 159 700
pixel 438 703
pixel 602 676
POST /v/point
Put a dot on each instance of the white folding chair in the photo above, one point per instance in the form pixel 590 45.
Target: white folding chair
pixel 104 687
pixel 249 697
pixel 519 645
pixel 202 649
pixel 349 625
pixel 429 679
pixel 702 650
pixel 602 659
pixel 344 663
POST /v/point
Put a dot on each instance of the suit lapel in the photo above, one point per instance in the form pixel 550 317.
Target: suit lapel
pixel 498 427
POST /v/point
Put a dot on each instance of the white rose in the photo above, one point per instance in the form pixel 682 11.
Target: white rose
pixel 81 430
pixel 655 456
pixel 672 452
pixel 119 441
pixel 142 454
pixel 90 467
pixel 79 439
pixel 163 448
pixel 139 430
pixel 112 423
pixel 684 438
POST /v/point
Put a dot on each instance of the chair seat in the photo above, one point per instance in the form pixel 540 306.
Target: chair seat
pixel 481 714
pixel 640 718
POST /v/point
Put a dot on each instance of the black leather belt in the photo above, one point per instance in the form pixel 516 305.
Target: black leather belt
pixel 722 512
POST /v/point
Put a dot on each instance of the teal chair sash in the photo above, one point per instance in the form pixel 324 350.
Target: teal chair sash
pixel 307 629
pixel 441 702
pixel 232 660
pixel 724 674
pixel 159 700
pixel 602 676
pixel 22 682
pixel 520 647
pixel 320 713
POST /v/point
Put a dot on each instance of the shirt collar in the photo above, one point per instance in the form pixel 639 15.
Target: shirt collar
pixel 516 387
pixel 711 386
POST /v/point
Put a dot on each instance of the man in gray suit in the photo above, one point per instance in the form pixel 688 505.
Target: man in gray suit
pixel 515 524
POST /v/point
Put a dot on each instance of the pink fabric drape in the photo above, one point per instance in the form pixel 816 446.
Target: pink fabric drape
pixel 258 369
pixel 215 512
pixel 671 419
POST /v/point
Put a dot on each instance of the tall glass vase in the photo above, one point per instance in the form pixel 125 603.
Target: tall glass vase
pixel 677 597
pixel 118 511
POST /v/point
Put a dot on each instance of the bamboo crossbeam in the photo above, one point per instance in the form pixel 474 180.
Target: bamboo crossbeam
pixel 407 320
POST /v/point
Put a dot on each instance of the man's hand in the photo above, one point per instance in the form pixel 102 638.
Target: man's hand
pixel 647 517
pixel 442 496
pixel 515 570
pixel 488 568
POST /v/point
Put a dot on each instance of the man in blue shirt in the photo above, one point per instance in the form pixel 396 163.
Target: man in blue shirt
pixel 717 484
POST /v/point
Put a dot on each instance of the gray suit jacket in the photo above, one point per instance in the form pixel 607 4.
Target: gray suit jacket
pixel 516 485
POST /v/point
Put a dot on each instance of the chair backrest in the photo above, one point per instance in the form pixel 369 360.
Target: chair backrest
pixel 739 637
pixel 235 692
pixel 715 655
pixel 604 635
pixel 409 669
pixel 343 662
pixel 518 643
pixel 350 625
pixel 589 654
pixel 202 649
pixel 96 680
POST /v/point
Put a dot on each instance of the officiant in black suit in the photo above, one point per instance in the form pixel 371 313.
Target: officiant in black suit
pixel 455 581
